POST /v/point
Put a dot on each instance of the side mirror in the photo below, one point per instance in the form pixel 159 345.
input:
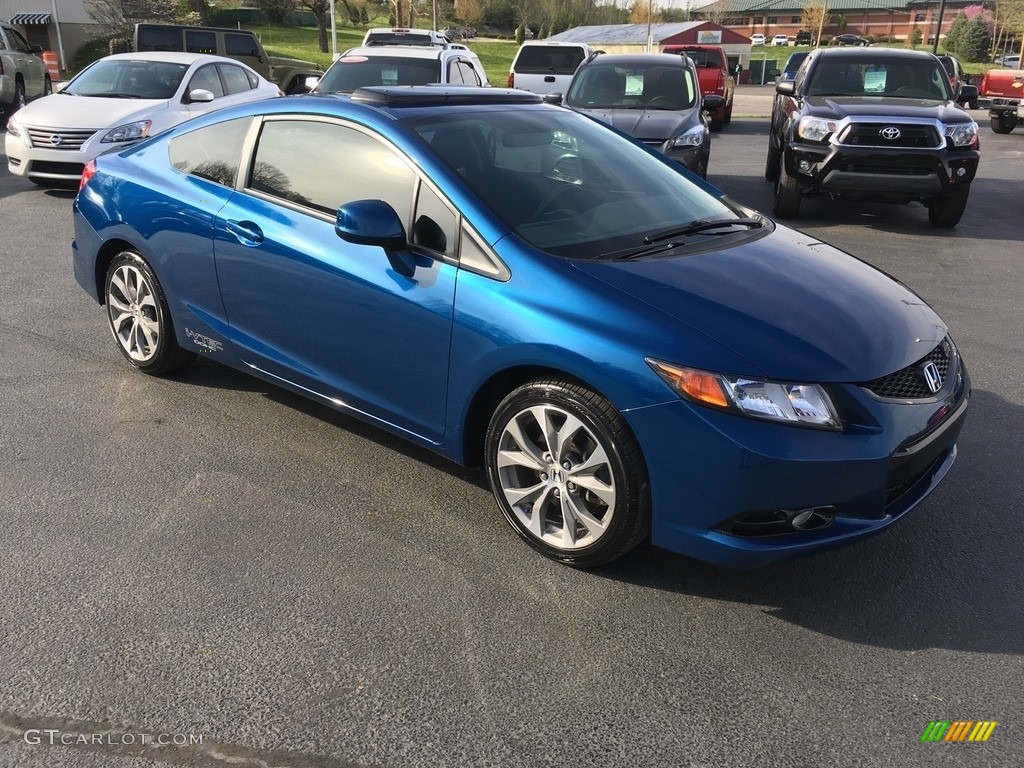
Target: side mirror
pixel 775 74
pixel 311 83
pixel 552 98
pixel 967 93
pixel 374 222
pixel 712 102
pixel 36 49
pixel 199 96
pixel 786 87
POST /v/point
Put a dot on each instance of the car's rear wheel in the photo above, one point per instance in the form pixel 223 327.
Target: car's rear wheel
pixel 717 123
pixel 19 98
pixel 1004 124
pixel 787 193
pixel 139 317
pixel 728 114
pixel 567 473
pixel 947 209
pixel 47 85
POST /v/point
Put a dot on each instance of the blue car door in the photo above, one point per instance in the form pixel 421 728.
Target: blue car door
pixel 328 316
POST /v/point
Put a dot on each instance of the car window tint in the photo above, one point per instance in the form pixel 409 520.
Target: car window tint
pixel 434 223
pixel 599 86
pixel 200 42
pixel 129 77
pixel 351 72
pixel 156 38
pixel 240 45
pixel 322 165
pixel 17 42
pixel 235 79
pixel 548 60
pixel 207 79
pixel 211 153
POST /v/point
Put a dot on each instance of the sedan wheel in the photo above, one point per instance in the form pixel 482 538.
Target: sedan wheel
pixel 139 317
pixel 567 473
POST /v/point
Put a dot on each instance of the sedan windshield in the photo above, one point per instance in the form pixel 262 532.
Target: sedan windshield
pixel 567 184
pixel 129 79
pixel 352 72
pixel 606 86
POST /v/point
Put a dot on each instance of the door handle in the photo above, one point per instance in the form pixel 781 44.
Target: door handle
pixel 247 232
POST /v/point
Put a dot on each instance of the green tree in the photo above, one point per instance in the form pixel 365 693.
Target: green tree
pixel 276 10
pixel 915 37
pixel 952 40
pixel 975 41
pixel 520 34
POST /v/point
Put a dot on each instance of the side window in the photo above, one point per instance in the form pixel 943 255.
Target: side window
pixel 235 79
pixel 207 79
pixel 322 165
pixel 157 38
pixel 200 42
pixel 240 45
pixel 434 223
pixel 211 153
pixel 17 42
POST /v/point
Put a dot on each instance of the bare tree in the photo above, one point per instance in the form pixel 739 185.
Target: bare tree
pixel 321 10
pixel 119 17
pixel 718 12
pixel 815 17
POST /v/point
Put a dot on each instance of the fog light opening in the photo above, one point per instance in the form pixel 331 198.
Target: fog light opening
pixel 804 166
pixel 812 518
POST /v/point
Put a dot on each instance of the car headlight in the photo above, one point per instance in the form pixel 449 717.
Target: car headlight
pixel 962 134
pixel 692 138
pixel 12 126
pixel 128 132
pixel 802 404
pixel 816 129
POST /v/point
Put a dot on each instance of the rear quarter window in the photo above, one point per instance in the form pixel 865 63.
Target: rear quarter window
pixel 211 153
pixel 240 45
pixel 548 60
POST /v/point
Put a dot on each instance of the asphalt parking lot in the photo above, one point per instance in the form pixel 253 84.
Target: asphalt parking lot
pixel 209 559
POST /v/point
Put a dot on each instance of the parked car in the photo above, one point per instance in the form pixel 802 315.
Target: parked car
pixel 957 77
pixel 715 77
pixel 403 36
pixel 238 44
pixel 546 67
pixel 628 351
pixel 117 101
pixel 757 39
pixel 654 97
pixel 879 125
pixel 780 40
pixel 792 65
pixel 849 39
pixel 452 33
pixel 23 75
pixel 1001 93
pixel 1011 62
pixel 401 65
pixel 804 37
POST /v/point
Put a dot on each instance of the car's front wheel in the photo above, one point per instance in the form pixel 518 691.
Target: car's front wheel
pixel 787 193
pixel 139 317
pixel 567 473
pixel 947 209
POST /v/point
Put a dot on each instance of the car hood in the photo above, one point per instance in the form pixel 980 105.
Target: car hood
pixel 86 112
pixel 796 308
pixel 650 124
pixel 884 107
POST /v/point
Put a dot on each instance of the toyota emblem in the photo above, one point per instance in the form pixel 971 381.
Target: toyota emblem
pixel 890 133
pixel 56 139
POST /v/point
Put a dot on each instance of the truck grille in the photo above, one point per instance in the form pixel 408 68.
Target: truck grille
pixel 909 383
pixel 872 135
pixel 61 138
pixel 886 170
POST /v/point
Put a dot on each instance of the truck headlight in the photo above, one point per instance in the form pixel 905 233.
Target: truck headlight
pixel 692 138
pixel 798 404
pixel 128 132
pixel 962 134
pixel 816 128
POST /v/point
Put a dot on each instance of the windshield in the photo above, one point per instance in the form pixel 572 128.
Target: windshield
pixel 129 78
pixel 704 58
pixel 564 182
pixel 399 38
pixel 351 72
pixel 909 78
pixel 607 86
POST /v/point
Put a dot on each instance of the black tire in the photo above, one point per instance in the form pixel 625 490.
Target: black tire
pixel 771 163
pixel 133 294
pixel 787 193
pixel 972 104
pixel 947 209
pixel 728 114
pixel 716 124
pixel 19 98
pixel 1003 124
pixel 610 515
pixel 47 86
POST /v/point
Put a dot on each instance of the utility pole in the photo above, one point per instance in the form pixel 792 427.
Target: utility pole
pixel 650 36
pixel 821 23
pixel 938 26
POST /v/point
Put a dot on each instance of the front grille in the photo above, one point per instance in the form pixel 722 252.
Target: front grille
pixel 69 139
pixel 910 383
pixel 886 170
pixel 63 169
pixel 871 135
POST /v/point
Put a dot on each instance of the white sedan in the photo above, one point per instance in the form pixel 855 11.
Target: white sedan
pixel 120 100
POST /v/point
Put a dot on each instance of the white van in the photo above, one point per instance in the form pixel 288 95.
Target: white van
pixel 543 66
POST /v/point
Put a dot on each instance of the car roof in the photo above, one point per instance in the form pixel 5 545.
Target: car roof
pixel 872 53
pixel 437 95
pixel 170 57
pixel 401 51
pixel 659 59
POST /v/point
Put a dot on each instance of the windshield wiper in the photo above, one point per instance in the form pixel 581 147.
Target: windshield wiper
pixel 702 225
pixel 119 95
pixel 660 243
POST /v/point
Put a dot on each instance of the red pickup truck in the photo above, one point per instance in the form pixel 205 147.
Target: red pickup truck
pixel 1001 91
pixel 713 75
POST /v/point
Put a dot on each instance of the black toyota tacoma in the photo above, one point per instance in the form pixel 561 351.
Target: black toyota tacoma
pixel 873 124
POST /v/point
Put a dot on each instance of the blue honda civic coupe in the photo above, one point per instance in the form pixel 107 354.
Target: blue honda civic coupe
pixel 628 353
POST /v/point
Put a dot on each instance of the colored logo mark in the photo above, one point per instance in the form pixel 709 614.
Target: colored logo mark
pixel 959 730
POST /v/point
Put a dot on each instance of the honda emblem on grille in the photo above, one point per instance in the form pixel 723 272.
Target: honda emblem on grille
pixel 932 377
pixel 890 133
pixel 56 139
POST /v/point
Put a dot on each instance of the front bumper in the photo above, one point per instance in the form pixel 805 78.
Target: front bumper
pixel 710 469
pixel 56 155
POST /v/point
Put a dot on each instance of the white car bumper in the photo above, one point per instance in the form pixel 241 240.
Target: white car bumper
pixel 55 154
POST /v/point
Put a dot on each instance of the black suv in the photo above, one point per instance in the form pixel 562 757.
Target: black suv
pixel 654 97
pixel 877 124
